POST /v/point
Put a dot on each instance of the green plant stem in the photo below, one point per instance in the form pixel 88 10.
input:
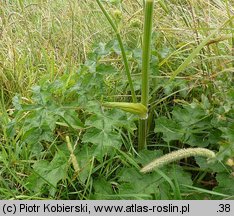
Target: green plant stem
pixel 124 56
pixel 142 134
pixel 146 51
pixel 148 20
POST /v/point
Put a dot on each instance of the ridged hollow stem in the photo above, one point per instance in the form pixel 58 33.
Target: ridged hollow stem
pixel 124 56
pixel 175 156
pixel 142 134
pixel 146 53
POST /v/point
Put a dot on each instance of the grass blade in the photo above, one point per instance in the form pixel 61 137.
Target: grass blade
pixel 197 50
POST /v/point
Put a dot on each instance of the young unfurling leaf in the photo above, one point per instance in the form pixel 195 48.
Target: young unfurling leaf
pixel 135 108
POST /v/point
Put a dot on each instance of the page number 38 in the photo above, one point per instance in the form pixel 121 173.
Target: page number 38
pixel 224 208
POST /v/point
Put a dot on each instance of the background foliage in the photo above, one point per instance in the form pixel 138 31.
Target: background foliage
pixel 59 60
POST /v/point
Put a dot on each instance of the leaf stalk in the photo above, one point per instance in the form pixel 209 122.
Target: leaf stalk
pixel 124 56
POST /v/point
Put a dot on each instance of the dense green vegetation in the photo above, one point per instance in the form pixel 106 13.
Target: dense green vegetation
pixel 65 90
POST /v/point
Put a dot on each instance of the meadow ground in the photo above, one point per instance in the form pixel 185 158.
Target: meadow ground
pixel 59 60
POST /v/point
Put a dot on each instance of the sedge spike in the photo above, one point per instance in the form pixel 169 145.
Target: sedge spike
pixel 177 155
pixel 72 156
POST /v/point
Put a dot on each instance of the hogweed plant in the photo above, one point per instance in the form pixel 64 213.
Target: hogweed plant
pixel 141 109
pixel 68 140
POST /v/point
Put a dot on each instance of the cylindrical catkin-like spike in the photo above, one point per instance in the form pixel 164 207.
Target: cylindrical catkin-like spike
pixel 177 155
pixel 72 156
pixel 75 163
pixel 69 146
